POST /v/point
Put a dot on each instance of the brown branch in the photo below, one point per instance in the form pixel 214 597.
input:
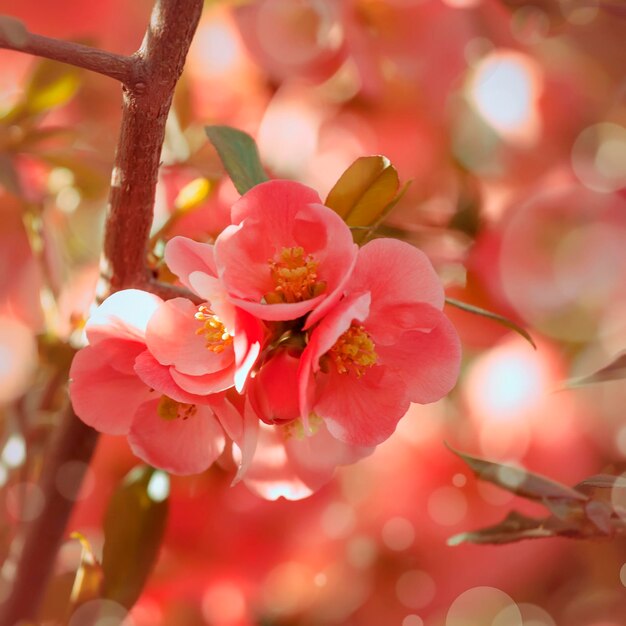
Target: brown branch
pixel 168 291
pixel 14 36
pixel 161 59
pixel 154 69
pixel 75 442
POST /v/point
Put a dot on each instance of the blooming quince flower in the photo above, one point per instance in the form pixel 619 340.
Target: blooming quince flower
pixel 287 463
pixel 386 344
pixel 284 256
pixel 153 371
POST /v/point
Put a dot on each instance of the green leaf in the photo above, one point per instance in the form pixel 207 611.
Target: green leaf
pixel 615 370
pixel 239 155
pixel 364 190
pixel 514 527
pixel 519 481
pixel 89 577
pixel 50 85
pixel 133 530
pixel 470 308
pixel 68 590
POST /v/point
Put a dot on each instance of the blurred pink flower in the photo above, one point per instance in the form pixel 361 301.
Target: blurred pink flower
pixel 153 372
pixel 386 344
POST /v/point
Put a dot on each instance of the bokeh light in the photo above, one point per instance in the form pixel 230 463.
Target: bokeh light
pixel 508 118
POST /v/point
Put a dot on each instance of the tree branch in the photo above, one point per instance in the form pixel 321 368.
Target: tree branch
pixel 154 69
pixel 75 442
pixel 146 104
pixel 14 36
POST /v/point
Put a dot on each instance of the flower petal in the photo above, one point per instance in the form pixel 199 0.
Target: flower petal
pixel 179 446
pixel 159 377
pixel 269 219
pixel 172 338
pixel 124 315
pixel 270 473
pixel 362 411
pixel 249 337
pixel 428 363
pixel 323 338
pixel 241 426
pixel 184 256
pixel 294 467
pixel 396 273
pixel 207 383
pixel 102 396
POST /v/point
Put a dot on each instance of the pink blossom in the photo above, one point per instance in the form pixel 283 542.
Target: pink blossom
pixel 386 344
pixel 287 463
pixel 153 371
pixel 284 256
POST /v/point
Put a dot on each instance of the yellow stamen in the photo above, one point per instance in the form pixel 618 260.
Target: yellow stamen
pixel 169 409
pixel 295 277
pixel 353 351
pixel 215 333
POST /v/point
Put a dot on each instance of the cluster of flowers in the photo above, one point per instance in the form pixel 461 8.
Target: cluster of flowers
pixel 298 351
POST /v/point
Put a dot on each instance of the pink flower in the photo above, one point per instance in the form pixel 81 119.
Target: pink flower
pixel 287 463
pixel 386 344
pixel 154 371
pixel 284 256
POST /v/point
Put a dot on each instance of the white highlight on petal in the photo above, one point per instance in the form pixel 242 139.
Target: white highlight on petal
pixel 130 308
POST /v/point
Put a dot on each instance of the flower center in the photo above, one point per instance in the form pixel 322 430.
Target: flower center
pixel 295 428
pixel 295 277
pixel 353 351
pixel 169 409
pixel 212 329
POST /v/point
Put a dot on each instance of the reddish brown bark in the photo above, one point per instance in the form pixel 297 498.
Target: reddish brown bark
pixel 14 36
pixel 149 79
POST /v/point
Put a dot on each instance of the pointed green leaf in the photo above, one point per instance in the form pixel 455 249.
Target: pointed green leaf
pixel 519 481
pixel 89 577
pixel 364 190
pixel 68 590
pixel 514 527
pixel 239 155
pixel 470 308
pixel 133 530
pixel 367 232
pixel 50 85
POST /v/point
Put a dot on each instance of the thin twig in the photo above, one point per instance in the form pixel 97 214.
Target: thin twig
pixel 13 36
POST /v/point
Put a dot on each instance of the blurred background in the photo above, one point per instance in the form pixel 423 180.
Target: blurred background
pixel 509 116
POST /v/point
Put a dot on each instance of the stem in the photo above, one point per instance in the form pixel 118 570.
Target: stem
pixel 14 36
pixel 161 59
pixel 75 442
pixel 150 77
